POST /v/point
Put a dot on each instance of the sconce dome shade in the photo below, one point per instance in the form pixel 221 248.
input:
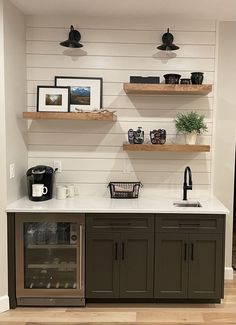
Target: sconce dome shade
pixel 167 40
pixel 73 40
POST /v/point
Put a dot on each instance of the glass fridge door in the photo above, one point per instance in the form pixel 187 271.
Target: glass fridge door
pixel 50 252
pixel 52 257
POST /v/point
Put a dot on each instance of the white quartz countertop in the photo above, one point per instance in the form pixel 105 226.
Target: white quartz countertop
pixel 107 205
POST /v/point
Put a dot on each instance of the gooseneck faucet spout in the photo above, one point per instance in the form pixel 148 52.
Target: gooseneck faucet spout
pixel 189 185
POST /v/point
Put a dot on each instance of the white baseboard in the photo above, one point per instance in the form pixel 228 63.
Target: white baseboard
pixel 4 303
pixel 229 273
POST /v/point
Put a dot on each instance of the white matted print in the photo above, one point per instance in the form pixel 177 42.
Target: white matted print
pixel 85 93
pixel 52 99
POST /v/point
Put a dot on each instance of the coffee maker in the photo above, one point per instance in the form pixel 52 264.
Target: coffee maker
pixel 40 181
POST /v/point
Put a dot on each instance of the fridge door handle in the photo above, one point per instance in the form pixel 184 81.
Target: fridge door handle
pixel 80 255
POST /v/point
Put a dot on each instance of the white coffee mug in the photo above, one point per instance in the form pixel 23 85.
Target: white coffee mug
pixel 71 190
pixel 62 192
pixel 39 190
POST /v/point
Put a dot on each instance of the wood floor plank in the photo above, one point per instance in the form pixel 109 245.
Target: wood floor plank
pixel 130 314
pixel 170 315
pixel 230 291
pixel 221 318
pixel 73 317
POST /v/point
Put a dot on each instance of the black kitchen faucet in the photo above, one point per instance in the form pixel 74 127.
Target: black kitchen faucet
pixel 185 185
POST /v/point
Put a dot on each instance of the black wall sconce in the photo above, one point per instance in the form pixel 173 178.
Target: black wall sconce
pixel 167 40
pixel 73 40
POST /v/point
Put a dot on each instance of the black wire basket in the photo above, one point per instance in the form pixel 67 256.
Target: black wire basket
pixel 124 190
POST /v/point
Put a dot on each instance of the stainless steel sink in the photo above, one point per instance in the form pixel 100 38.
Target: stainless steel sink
pixel 188 204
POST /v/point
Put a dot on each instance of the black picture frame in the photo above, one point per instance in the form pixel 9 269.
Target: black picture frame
pixel 88 92
pixel 53 99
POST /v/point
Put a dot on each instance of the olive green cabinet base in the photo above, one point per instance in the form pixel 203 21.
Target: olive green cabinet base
pixel 119 256
pixel 136 265
pixel 205 266
pixel 102 265
pixel 163 257
pixel 189 257
pixel 171 266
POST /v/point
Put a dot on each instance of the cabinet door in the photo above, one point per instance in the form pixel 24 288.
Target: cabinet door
pixel 205 266
pixel 102 265
pixel 136 266
pixel 171 265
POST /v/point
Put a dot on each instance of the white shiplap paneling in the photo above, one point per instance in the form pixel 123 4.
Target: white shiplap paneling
pixel 91 152
pixel 121 23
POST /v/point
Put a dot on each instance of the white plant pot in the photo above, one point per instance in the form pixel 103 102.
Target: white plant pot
pixel 190 138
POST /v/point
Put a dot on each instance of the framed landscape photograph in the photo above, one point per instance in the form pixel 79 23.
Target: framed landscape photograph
pixel 53 99
pixel 85 93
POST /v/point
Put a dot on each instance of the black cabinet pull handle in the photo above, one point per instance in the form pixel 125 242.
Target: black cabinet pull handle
pixel 116 251
pixel 123 251
pixel 192 247
pixel 188 225
pixel 121 225
pixel 185 251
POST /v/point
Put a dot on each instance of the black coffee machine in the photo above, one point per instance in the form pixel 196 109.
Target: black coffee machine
pixel 44 177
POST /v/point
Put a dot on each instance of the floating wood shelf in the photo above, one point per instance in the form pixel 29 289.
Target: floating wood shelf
pixel 167 89
pixel 166 147
pixel 106 116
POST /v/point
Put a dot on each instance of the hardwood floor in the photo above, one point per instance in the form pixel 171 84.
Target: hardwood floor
pixel 131 314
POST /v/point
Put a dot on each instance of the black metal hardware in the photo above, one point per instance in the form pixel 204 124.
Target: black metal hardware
pixel 123 251
pixel 185 251
pixel 116 251
pixel 128 224
pixel 182 225
pixel 124 190
pixel 192 247
pixel 168 44
pixel 185 185
pixel 73 39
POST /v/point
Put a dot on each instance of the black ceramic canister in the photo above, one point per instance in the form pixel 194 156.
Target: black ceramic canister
pixel 172 78
pixel 197 78
pixel 185 81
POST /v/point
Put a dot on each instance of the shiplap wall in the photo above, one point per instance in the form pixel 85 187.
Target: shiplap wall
pixel 91 152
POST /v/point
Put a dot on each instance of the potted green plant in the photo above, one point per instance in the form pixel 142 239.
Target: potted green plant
pixel 191 124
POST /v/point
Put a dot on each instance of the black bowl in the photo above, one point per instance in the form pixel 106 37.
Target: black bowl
pixel 172 78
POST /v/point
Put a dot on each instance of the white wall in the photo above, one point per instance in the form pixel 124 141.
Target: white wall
pixel 12 129
pixel 225 133
pixel 3 196
pixel 15 94
pixel 91 152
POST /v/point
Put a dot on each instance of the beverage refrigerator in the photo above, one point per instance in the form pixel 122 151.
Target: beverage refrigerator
pixel 50 259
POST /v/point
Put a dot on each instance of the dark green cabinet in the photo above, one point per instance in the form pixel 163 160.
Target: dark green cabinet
pixel 167 256
pixel 205 266
pixel 119 256
pixel 171 265
pixel 102 265
pixel 136 265
pixel 189 261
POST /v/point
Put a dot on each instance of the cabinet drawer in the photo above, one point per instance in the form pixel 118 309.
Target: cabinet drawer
pixel 119 221
pixel 193 223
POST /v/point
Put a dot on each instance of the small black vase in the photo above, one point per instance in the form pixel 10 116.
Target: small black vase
pixel 197 78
